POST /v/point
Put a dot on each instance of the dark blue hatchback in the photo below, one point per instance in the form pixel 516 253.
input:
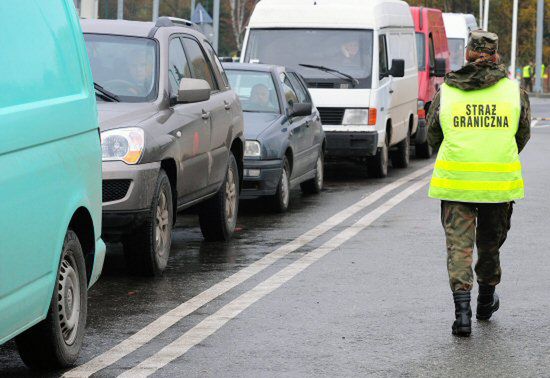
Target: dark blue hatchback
pixel 285 141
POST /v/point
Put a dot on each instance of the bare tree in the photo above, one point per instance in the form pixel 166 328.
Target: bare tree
pixel 240 12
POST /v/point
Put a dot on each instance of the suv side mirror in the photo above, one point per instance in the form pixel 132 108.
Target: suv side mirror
pixel 193 90
pixel 397 68
pixel 301 109
pixel 440 68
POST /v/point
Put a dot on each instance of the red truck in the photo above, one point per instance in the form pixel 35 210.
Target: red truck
pixel 433 64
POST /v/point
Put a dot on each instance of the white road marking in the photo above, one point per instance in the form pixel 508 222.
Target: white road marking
pixel 215 321
pixel 534 123
pixel 170 318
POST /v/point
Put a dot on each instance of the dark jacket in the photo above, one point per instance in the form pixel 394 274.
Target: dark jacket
pixel 471 77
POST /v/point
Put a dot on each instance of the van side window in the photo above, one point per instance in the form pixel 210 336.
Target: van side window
pixel 421 51
pixel 432 53
pixel 178 67
pixel 199 63
pixel 290 94
pixel 383 56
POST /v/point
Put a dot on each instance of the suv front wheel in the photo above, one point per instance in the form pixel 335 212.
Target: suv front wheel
pixel 218 215
pixel 147 249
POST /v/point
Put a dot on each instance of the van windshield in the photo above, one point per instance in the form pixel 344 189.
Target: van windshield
pixel 124 66
pixel 348 51
pixel 456 49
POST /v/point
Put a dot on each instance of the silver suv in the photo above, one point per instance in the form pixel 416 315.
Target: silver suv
pixel 171 135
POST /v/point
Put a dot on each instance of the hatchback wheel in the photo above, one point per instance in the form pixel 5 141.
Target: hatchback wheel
pixel 281 199
pixel 218 215
pixel 56 341
pixel 315 185
pixel 147 249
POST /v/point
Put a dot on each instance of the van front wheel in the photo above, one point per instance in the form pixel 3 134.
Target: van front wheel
pixel 55 342
pixel 401 157
pixel 377 165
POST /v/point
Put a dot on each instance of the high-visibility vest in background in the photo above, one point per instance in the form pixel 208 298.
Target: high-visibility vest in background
pixel 527 71
pixel 544 72
pixel 478 160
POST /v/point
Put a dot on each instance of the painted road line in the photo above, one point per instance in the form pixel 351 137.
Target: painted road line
pixel 168 319
pixel 534 123
pixel 217 320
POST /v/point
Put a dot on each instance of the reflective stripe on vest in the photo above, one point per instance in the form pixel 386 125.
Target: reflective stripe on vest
pixel 527 72
pixel 478 160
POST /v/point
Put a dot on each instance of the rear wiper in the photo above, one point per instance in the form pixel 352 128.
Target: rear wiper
pixel 105 94
pixel 352 80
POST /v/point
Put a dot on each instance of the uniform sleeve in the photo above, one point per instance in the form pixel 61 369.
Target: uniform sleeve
pixel 524 130
pixel 435 133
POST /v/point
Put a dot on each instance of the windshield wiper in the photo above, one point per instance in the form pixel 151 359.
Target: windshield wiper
pixel 351 79
pixel 105 94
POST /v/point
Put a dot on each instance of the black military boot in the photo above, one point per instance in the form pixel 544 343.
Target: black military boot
pixel 487 302
pixel 463 313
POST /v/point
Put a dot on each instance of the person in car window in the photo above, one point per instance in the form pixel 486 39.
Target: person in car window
pixel 141 73
pixel 259 98
pixel 350 53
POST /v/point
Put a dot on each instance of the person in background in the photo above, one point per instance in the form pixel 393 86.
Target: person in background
pixel 480 120
pixel 527 75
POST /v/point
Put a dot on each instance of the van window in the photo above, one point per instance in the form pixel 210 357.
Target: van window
pixel 383 55
pixel 125 66
pixel 49 58
pixel 348 51
pixel 178 67
pixel 199 63
pixel 432 53
pixel 421 51
pixel 400 48
pixel 456 49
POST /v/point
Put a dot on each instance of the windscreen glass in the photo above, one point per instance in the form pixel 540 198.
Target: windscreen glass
pixel 421 51
pixel 256 90
pixel 124 66
pixel 456 48
pixel 348 51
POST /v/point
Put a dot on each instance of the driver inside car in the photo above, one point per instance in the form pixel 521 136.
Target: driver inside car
pixel 259 98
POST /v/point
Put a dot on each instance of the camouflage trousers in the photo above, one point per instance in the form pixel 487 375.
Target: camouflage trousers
pixel 486 225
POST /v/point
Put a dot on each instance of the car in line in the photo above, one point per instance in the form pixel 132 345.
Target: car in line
pixel 285 142
pixel 359 61
pixel 171 134
pixel 51 251
pixel 433 63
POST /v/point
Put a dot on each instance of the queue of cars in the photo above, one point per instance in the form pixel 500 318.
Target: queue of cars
pixel 117 125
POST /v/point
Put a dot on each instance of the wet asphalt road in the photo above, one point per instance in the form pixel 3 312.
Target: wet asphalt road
pixel 375 303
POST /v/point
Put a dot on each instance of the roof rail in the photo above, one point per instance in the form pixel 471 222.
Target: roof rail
pixel 173 21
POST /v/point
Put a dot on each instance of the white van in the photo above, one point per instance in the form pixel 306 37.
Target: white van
pixel 359 60
pixel 458 27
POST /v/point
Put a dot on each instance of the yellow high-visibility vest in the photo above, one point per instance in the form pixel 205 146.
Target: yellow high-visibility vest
pixel 544 72
pixel 527 71
pixel 478 160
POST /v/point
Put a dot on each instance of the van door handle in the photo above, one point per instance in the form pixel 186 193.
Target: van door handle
pixel 227 105
pixel 205 114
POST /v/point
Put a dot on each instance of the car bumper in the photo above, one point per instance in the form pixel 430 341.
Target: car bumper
pixel 261 178
pixel 127 194
pixel 99 258
pixel 351 144
pixel 421 135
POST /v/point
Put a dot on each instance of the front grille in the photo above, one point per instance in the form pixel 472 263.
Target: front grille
pixel 114 190
pixel 324 85
pixel 331 116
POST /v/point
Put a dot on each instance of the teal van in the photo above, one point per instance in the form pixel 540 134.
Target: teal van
pixel 50 181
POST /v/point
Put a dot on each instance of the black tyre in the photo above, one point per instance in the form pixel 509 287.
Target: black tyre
pixel 218 215
pixel 55 342
pixel 147 249
pixel 315 185
pixel 377 165
pixel 401 158
pixel 280 201
pixel 423 150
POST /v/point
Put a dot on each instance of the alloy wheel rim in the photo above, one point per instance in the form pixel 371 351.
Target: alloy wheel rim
pixel 230 196
pixel 320 172
pixel 68 298
pixel 162 220
pixel 284 188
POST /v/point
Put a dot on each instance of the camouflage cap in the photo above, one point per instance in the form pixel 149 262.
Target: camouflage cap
pixel 483 41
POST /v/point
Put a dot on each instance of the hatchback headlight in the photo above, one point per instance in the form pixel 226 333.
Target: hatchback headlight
pixel 122 144
pixel 252 148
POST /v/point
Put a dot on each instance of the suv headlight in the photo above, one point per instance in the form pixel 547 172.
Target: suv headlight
pixel 252 148
pixel 359 117
pixel 122 144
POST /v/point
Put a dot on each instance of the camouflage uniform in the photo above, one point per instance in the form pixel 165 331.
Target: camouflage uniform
pixel 465 224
